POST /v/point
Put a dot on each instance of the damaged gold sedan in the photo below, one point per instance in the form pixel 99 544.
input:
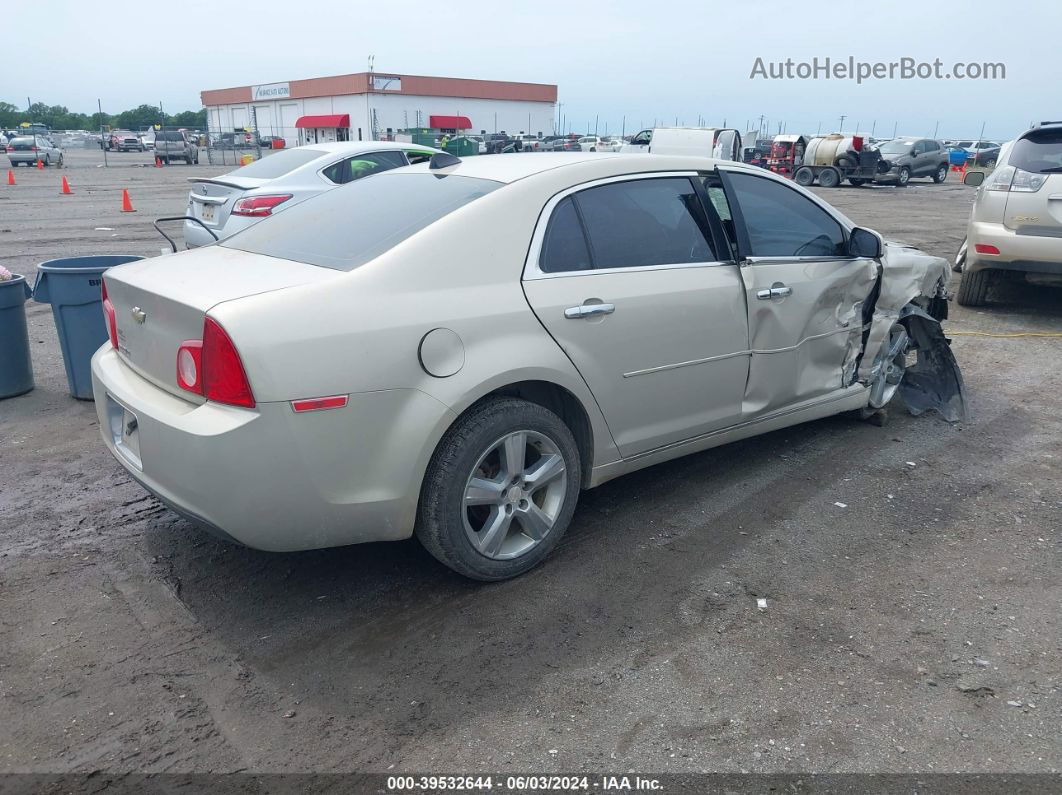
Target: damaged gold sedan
pixel 456 349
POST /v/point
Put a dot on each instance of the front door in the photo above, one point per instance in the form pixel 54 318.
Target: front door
pixel 627 278
pixel 805 295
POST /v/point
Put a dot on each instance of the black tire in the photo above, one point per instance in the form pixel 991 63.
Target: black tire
pixel 829 178
pixel 804 177
pixel 903 177
pixel 60 163
pixel 47 160
pixel 188 160
pixel 440 524
pixel 941 174
pixel 990 163
pixel 973 289
pixel 857 182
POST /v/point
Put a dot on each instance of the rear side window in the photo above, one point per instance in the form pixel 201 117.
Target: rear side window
pixel 1039 152
pixel 564 248
pixel 359 166
pixel 349 226
pixel 278 164
pixel 630 224
pixel 783 223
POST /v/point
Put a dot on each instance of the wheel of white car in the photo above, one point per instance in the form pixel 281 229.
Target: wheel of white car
pixel 500 490
pixel 890 365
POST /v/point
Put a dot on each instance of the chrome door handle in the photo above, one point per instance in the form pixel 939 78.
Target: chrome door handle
pixel 774 292
pixel 588 310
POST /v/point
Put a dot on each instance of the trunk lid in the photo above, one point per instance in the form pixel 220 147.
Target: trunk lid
pixel 212 200
pixel 1038 213
pixel 161 302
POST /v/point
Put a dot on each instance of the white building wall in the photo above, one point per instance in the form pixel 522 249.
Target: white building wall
pixel 394 111
pixel 398 111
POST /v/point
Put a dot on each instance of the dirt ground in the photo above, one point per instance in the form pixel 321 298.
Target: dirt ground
pixel 915 629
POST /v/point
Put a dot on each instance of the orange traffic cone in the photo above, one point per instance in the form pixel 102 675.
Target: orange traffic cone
pixel 66 188
pixel 127 206
pixel 40 163
pixel 158 162
pixel 10 177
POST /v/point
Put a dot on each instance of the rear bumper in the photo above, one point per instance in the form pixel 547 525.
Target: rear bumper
pixel 269 478
pixel 1022 253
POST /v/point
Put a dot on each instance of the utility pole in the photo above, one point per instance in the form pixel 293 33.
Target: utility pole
pixel 894 128
pixel 596 119
pixel 818 129
pixel 873 126
pixel 841 128
pixel 936 128
pixel 623 134
pixel 981 137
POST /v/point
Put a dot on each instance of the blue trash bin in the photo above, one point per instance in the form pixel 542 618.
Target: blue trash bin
pixel 72 286
pixel 16 371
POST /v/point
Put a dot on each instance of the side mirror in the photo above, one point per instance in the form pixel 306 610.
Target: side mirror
pixel 865 243
pixel 974 178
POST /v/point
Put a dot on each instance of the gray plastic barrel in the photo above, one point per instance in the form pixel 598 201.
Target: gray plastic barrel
pixel 73 286
pixel 16 371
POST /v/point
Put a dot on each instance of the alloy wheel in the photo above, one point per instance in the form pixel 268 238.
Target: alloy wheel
pixel 514 494
pixel 891 365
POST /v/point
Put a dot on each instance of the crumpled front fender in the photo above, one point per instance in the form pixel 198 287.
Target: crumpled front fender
pixel 935 382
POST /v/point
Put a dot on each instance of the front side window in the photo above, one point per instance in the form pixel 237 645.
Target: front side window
pixel 352 168
pixel 644 138
pixel 782 223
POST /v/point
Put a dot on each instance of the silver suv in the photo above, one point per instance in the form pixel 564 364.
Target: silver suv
pixel 176 145
pixel 1016 222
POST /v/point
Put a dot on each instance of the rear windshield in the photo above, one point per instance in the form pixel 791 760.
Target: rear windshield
pixel 1039 152
pixel 22 141
pixel 166 136
pixel 349 226
pixel 279 164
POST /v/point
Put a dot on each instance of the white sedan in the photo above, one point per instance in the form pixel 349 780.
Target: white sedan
pixel 456 349
pixel 235 201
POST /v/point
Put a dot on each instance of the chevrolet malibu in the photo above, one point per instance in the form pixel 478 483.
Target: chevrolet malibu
pixel 456 349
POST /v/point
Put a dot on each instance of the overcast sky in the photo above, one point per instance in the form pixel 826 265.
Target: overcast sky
pixel 642 59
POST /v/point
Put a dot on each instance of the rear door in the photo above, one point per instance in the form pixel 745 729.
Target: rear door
pixel 804 294
pixel 629 279
pixel 1034 201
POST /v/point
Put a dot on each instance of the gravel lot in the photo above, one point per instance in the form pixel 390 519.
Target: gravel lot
pixel 915 629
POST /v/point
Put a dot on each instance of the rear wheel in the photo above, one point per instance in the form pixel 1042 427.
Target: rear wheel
pixel 973 289
pixel 804 176
pixel 941 174
pixel 188 160
pixel 500 490
pixel 857 181
pixel 904 176
pixel 829 178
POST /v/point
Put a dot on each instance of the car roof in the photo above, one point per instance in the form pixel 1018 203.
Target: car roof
pixel 509 168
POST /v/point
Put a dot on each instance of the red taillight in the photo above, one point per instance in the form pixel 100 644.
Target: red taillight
pixel 982 248
pixel 223 376
pixel 112 318
pixel 211 367
pixel 10 149
pixel 258 206
pixel 34 149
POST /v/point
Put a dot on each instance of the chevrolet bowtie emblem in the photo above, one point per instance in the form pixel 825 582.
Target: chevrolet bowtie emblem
pixel 139 315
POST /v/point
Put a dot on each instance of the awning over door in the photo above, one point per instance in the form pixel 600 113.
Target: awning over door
pixel 315 122
pixel 449 122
